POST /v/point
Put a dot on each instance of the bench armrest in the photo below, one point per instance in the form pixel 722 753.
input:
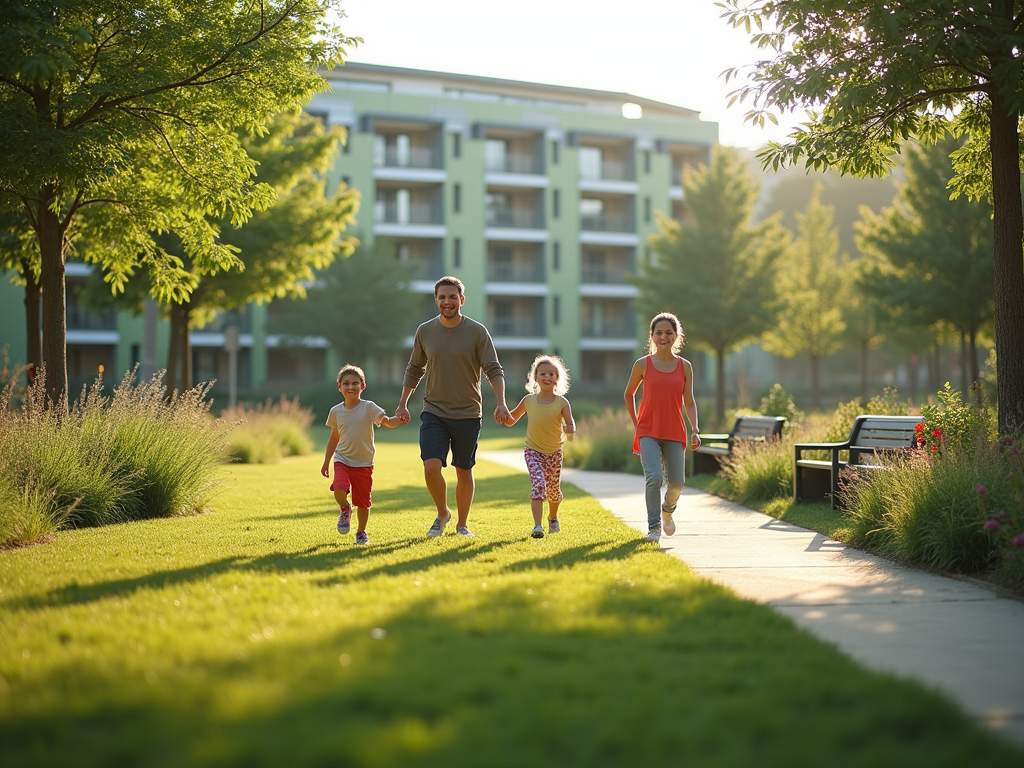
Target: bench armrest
pixel 835 448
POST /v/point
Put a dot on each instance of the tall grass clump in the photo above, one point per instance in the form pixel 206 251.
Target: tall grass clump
pixel 107 459
pixel 262 435
pixel 603 443
pixel 759 471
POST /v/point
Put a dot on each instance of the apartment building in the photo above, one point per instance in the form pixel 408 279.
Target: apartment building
pixel 540 198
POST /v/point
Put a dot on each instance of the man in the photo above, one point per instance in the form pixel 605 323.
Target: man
pixel 453 350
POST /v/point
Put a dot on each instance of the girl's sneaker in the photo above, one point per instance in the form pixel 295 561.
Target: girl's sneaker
pixel 538 532
pixel 344 520
pixel 553 526
pixel 362 538
pixel 464 531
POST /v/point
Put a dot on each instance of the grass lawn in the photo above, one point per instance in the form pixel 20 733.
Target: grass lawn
pixel 254 635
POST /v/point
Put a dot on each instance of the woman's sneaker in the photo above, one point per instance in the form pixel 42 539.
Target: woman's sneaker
pixel 537 532
pixel 438 527
pixel 464 531
pixel 654 534
pixel 362 538
pixel 553 526
pixel 344 520
pixel 667 523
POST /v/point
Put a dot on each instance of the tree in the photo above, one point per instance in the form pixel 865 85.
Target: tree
pixel 864 315
pixel 811 292
pixel 281 247
pixel 878 74
pixel 716 271
pixel 370 277
pixel 934 251
pixel 118 120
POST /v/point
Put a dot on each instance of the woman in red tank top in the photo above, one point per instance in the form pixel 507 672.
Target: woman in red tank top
pixel 660 439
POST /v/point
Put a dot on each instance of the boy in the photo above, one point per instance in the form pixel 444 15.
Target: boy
pixel 351 442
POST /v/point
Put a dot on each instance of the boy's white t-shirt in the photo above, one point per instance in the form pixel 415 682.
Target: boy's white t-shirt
pixel 355 432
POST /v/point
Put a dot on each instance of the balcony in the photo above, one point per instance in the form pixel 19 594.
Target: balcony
pixel 514 218
pixel 607 222
pixel 604 274
pixel 515 272
pixel 527 325
pixel 413 213
pixel 408 157
pixel 80 318
pixel 606 170
pixel 615 328
pixel 514 163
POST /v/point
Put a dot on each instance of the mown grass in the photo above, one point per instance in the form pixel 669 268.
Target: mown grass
pixel 254 635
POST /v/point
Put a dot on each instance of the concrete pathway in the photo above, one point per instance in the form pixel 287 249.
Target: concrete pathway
pixel 955 636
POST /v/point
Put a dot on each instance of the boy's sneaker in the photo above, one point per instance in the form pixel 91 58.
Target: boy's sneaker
pixel 438 527
pixel 464 531
pixel 344 520
pixel 553 526
pixel 667 523
pixel 654 534
pixel 362 538
pixel 538 532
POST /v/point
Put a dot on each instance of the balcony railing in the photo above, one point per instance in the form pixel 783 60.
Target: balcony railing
pixel 619 328
pixel 426 269
pixel 604 274
pixel 516 218
pixel 677 177
pixel 607 222
pixel 515 163
pixel 81 318
pixel 517 326
pixel 415 213
pixel 413 157
pixel 610 170
pixel 515 272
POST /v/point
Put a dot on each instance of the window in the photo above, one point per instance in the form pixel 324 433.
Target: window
pixel 556 256
pixel 556 204
pixel 647 161
pixel 647 210
pixel 556 310
pixel 457 252
pixel 554 153
pixel 496 155
pixel 590 163
pixel 457 198
pixel 456 145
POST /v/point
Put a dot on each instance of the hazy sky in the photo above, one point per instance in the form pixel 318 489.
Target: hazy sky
pixel 668 50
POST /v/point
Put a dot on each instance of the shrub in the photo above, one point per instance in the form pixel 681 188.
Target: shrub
pixel 106 460
pixel 885 404
pixel 778 402
pixel 1003 506
pixel 758 471
pixel 603 443
pixel 262 435
pixel 953 423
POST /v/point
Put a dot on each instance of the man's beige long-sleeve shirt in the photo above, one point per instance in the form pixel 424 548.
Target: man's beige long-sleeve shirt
pixel 452 359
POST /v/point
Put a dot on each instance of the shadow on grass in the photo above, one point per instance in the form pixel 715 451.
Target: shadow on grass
pixel 616 674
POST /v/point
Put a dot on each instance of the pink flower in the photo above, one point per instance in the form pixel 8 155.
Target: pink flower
pixel 1007 441
pixel 1001 514
pixel 983 490
pixel 1018 540
pixel 1015 451
pixel 992 525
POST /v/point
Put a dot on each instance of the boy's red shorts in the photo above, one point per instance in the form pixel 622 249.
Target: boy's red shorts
pixel 357 479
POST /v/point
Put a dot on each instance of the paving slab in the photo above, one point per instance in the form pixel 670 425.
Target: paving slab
pixel 960 638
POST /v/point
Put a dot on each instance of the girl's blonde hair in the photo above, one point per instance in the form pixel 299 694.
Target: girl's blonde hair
pixel 561 386
pixel 680 336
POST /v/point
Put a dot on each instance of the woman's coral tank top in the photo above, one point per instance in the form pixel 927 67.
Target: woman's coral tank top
pixel 661 407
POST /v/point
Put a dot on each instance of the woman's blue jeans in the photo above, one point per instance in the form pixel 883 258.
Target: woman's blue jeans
pixel 662 459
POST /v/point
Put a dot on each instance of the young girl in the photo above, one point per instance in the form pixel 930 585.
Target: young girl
pixel 546 411
pixel 660 432
pixel 351 444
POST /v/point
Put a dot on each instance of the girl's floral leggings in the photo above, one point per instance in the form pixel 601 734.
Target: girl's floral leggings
pixel 545 474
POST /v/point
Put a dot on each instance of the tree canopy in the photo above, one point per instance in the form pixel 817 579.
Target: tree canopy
pixel 715 270
pixel 875 75
pixel 119 120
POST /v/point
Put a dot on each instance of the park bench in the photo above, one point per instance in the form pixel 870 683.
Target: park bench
pixel 715 447
pixel 870 436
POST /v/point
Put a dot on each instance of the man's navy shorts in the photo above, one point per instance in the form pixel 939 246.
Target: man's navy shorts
pixel 438 436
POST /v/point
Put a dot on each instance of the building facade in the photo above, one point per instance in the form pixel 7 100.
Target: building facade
pixel 540 198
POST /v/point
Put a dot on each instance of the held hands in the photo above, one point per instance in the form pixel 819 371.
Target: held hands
pixel 402 414
pixel 501 414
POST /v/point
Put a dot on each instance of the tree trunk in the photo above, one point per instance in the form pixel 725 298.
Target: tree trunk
pixel 51 250
pixel 719 388
pixel 171 377
pixel 972 353
pixel 181 347
pixel 33 326
pixel 1008 254
pixel 864 344
pixel 815 382
pixel 913 378
pixel 965 383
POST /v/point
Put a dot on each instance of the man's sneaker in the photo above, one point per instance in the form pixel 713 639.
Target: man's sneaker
pixel 553 526
pixel 654 534
pixel 538 532
pixel 464 531
pixel 438 527
pixel 344 520
pixel 362 538
pixel 667 523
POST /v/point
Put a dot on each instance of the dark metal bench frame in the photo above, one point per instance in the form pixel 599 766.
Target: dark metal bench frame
pixel 870 436
pixel 715 447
